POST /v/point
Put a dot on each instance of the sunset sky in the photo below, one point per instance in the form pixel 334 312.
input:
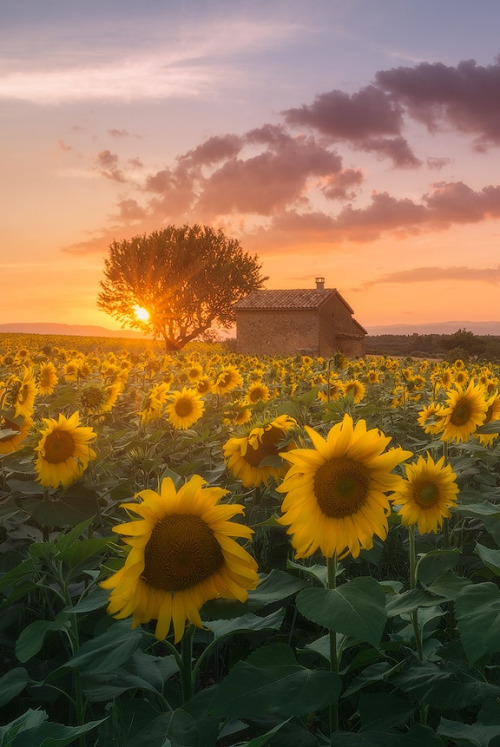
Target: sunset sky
pixel 354 139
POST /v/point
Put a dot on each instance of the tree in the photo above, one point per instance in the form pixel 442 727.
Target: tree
pixel 186 278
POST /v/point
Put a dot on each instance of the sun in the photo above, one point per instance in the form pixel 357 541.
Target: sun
pixel 141 313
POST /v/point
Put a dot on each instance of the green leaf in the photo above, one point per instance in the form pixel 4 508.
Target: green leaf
pixel 83 549
pixel 103 687
pixel 18 573
pixel 264 738
pixel 59 513
pixel 479 735
pixel 492 427
pixel 274 587
pixel 434 563
pixel 12 683
pixel 491 558
pixel 383 710
pixel 271 683
pixel 317 571
pixel 96 599
pixel 108 650
pixel 67 539
pixel 33 728
pixel 444 686
pixel 29 720
pixel 31 639
pixel 448 586
pixel 245 623
pixel 421 736
pixel 477 610
pixel 368 738
pixel 408 601
pixel 379 672
pixel 357 608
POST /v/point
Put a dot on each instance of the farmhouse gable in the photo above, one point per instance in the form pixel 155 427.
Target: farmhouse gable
pixel 316 321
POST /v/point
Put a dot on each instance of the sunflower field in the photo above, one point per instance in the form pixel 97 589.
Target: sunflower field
pixel 206 549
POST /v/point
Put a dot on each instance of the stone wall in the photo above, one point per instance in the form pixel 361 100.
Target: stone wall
pixel 322 331
pixel 277 332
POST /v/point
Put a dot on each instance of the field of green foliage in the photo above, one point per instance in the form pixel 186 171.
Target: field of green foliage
pixel 206 549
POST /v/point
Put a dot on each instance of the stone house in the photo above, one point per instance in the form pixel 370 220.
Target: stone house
pixel 309 321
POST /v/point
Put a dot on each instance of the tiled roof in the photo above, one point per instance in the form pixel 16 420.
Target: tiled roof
pixel 285 299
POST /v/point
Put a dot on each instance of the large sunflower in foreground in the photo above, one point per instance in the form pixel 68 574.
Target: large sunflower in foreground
pixel 182 554
pixel 427 494
pixel 63 451
pixel 337 492
pixel 245 454
pixel 463 412
pixel 185 408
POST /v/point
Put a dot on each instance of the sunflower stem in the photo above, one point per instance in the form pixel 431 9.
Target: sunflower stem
pixel 334 661
pixel 414 615
pixel 186 661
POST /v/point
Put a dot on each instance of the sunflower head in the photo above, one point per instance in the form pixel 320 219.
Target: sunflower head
pixel 464 411
pixel 182 553
pixel 427 494
pixel 63 451
pixel 336 493
pixel 185 408
pixel 255 458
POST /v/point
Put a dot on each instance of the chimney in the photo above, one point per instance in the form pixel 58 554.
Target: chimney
pixel 320 284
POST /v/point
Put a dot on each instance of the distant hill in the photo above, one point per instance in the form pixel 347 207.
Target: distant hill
pixel 80 330
pixel 436 328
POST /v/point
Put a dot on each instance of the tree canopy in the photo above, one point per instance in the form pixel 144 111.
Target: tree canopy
pixel 180 280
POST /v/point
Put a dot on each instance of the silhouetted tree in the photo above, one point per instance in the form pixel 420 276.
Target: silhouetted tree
pixel 187 278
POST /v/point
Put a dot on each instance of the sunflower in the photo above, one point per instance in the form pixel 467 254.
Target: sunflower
pixel 257 392
pixel 204 385
pixel 337 492
pixel 229 378
pixel 373 376
pixel 244 455
pixel 430 418
pixel 356 387
pixel 12 434
pixel 238 414
pixel 182 554
pixel 336 390
pixel 464 411
pixel 63 451
pixel 195 372
pixel 492 413
pixel 427 494
pixel 24 392
pixel 47 378
pixel 185 409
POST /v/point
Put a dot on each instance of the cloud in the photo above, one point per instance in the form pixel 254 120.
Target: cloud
pixel 353 117
pixel 490 275
pixel 369 119
pixel 271 180
pixel 118 133
pixel 107 166
pixel 282 183
pixel 464 97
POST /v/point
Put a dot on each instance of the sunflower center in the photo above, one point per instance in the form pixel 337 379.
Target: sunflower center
pixel 183 407
pixel 426 494
pixel 59 446
pixel 341 487
pixel 181 552
pixel 266 447
pixel 461 413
